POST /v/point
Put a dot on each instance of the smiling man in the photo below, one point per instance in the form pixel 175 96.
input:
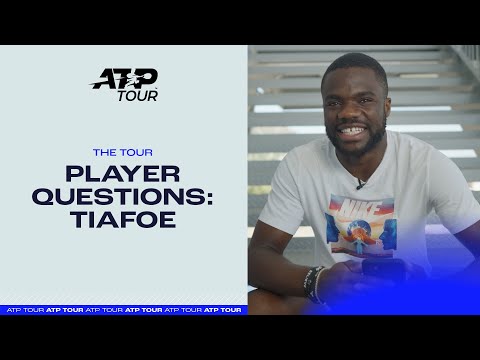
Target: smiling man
pixel 361 179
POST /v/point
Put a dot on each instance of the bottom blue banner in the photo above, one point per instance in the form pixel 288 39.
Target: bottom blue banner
pixel 123 309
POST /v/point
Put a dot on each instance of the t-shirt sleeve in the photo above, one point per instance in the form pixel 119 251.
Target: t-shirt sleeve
pixel 450 195
pixel 283 209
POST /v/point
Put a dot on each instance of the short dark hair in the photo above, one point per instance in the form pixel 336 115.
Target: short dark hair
pixel 358 60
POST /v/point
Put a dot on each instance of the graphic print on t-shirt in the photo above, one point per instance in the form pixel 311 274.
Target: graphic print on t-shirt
pixel 361 228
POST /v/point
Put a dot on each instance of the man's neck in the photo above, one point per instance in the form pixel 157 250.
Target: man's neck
pixel 362 167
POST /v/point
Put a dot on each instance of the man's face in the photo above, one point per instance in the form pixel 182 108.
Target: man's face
pixel 355 110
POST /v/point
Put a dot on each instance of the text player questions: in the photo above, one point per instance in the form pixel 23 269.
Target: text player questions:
pixel 87 197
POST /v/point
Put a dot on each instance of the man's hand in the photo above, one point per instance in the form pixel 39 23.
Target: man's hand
pixel 415 272
pixel 345 280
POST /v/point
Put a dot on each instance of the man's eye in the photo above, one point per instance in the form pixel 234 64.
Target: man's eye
pixel 365 100
pixel 332 103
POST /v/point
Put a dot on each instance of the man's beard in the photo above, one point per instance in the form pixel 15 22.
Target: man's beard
pixel 373 140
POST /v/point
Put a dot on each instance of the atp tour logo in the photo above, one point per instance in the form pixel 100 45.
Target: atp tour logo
pixel 127 80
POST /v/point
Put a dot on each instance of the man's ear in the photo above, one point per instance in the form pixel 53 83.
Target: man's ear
pixel 388 106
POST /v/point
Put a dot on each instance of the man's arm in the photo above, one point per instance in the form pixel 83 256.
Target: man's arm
pixel 268 268
pixel 457 208
pixel 470 238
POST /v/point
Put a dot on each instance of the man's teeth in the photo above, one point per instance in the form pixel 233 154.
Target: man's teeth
pixel 352 131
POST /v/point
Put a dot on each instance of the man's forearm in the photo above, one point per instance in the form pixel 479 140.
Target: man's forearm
pixel 469 275
pixel 269 270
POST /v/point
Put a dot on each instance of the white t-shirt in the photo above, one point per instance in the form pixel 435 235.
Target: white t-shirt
pixel 386 217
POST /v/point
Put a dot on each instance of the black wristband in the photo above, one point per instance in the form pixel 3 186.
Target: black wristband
pixel 309 278
pixel 309 284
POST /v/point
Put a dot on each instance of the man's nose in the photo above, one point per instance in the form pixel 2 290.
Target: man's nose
pixel 349 110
